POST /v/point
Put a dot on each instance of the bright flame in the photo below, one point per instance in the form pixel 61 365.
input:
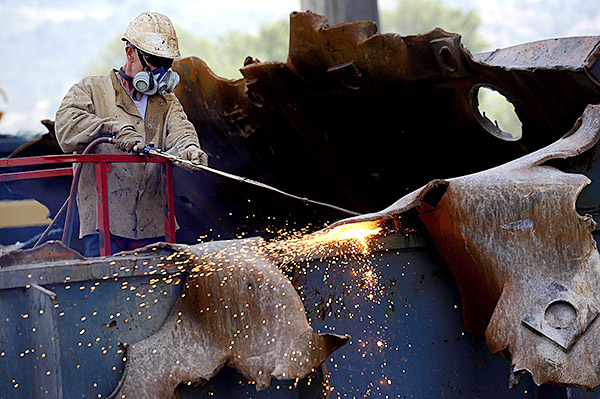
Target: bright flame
pixel 356 231
pixel 346 239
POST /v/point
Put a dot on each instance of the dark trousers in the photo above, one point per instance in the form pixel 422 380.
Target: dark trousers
pixel 91 244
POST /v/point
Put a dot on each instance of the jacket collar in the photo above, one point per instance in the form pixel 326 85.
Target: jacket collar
pixel 122 99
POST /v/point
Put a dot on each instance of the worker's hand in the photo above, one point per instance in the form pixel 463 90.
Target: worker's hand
pixel 127 138
pixel 195 154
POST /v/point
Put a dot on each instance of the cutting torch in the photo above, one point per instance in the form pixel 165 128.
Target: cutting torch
pixel 150 150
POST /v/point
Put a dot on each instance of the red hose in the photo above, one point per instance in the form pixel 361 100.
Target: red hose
pixel 73 190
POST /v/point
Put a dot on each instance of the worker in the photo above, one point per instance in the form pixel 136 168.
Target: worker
pixel 136 106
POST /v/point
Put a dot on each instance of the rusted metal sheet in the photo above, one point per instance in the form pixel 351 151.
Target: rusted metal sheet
pixel 391 299
pixel 333 122
pixel 238 310
pixel 343 81
pixel 572 53
pixel 320 125
pixel 317 122
pixel 343 11
pixel 525 261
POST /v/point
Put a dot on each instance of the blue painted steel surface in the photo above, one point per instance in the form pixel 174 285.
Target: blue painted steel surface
pixel 408 339
pixel 69 346
pixel 229 384
pixel 63 339
pixel 400 305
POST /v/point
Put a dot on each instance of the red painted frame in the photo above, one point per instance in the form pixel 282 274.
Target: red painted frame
pixel 102 163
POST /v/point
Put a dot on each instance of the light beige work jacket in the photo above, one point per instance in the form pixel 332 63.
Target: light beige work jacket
pixel 99 105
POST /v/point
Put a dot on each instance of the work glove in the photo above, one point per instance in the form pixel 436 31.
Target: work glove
pixel 127 138
pixel 194 154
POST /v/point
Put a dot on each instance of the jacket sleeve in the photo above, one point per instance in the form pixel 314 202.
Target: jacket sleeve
pixel 76 122
pixel 180 131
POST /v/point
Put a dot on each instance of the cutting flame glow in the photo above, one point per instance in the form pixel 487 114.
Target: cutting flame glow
pixel 357 231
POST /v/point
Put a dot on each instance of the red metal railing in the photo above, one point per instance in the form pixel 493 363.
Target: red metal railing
pixel 103 166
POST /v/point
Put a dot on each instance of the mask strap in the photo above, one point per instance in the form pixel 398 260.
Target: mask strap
pixel 143 61
pixel 124 75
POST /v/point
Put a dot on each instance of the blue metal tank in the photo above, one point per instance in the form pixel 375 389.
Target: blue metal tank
pixel 64 323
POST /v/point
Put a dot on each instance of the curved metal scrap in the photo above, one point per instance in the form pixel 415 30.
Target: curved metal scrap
pixel 304 120
pixel 236 309
pixel 319 123
pixel 332 122
pixel 51 253
pixel 525 261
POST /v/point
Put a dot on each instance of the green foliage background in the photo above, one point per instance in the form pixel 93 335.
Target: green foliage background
pixel 412 17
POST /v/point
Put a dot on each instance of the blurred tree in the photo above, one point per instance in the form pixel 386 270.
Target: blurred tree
pixel 225 56
pixel 411 17
pixel 112 56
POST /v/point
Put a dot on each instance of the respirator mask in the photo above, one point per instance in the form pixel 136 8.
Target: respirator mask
pixel 162 80
pixel 159 81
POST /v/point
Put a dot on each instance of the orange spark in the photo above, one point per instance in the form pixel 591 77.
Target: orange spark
pixel 356 231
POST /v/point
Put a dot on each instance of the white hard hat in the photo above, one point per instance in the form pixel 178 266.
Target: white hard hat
pixel 153 33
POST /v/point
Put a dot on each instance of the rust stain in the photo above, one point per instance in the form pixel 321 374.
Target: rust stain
pixel 524 260
pixel 44 254
pixel 301 124
pixel 238 310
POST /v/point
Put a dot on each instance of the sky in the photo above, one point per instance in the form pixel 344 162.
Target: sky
pixel 46 46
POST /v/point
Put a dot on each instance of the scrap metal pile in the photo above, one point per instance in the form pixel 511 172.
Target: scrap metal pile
pixel 525 261
pixel 360 119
